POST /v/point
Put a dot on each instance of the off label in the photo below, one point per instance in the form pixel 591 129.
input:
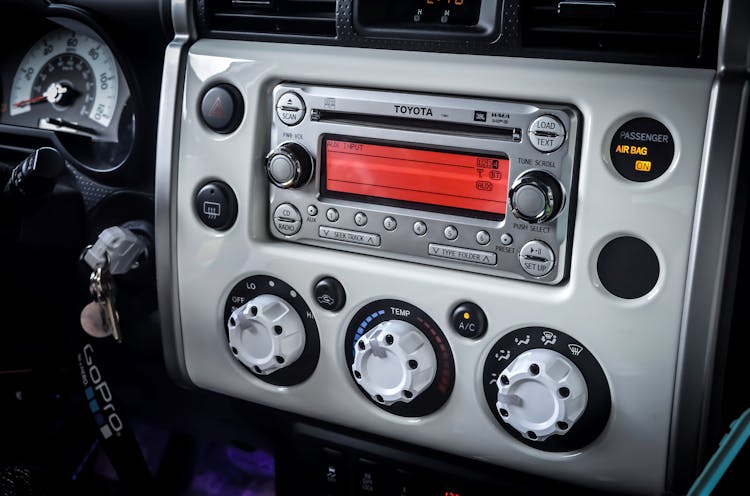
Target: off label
pixel 642 149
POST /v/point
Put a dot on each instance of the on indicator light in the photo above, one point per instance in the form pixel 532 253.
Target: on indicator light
pixel 467 316
pixel 643 165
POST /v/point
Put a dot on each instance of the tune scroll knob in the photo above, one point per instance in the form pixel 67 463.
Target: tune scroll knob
pixel 394 362
pixel 536 197
pixel 266 334
pixel 541 393
pixel 289 165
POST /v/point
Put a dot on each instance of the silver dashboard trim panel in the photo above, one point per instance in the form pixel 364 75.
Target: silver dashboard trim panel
pixel 705 296
pixel 165 218
pixel 636 341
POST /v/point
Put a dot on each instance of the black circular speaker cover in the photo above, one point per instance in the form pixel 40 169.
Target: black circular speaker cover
pixel 628 267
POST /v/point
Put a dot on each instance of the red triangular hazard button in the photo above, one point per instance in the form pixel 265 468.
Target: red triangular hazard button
pixel 217 108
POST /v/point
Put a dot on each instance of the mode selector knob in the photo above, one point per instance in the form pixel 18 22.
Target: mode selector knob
pixel 541 393
pixel 289 165
pixel 266 334
pixel 536 197
pixel 394 362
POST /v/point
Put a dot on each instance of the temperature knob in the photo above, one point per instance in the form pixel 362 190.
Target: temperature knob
pixel 289 165
pixel 394 362
pixel 536 197
pixel 266 334
pixel 541 393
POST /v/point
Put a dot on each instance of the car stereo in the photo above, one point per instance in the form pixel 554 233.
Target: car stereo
pixel 477 185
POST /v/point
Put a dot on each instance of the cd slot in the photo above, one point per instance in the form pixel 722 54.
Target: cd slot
pixel 411 124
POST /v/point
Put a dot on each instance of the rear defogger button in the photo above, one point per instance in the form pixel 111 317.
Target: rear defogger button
pixel 463 254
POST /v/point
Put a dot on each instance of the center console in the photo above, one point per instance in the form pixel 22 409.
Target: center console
pixel 486 257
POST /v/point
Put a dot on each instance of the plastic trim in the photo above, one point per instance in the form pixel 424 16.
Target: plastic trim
pixel 165 220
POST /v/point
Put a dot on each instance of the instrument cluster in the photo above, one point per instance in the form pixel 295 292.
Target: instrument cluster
pixel 63 83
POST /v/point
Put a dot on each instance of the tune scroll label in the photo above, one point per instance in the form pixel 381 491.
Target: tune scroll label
pixel 399 358
pixel 546 389
pixel 280 344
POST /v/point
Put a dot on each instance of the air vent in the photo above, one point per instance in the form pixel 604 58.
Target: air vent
pixel 641 27
pixel 271 17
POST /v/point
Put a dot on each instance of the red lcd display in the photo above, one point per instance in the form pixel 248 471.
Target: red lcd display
pixel 441 179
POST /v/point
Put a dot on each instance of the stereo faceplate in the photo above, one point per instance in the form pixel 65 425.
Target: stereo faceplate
pixel 533 138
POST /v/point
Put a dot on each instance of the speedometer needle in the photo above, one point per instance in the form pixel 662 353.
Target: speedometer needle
pixel 36 99
pixel 54 94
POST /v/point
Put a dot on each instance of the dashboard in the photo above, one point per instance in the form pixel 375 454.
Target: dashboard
pixel 443 246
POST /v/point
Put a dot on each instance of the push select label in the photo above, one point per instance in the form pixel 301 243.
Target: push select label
pixel 642 149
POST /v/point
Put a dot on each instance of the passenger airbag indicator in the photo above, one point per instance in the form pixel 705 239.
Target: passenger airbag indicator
pixel 428 177
pixel 642 149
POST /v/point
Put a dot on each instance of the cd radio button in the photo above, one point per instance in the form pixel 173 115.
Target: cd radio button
pixel 356 237
pixel 332 215
pixel 287 219
pixel 546 133
pixel 390 224
pixel 360 219
pixel 537 258
pixel 287 228
pixel 290 108
pixel 420 228
pixel 450 233
pixel 483 237
pixel 463 254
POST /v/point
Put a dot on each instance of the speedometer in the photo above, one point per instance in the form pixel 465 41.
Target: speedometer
pixel 70 85
pixel 71 78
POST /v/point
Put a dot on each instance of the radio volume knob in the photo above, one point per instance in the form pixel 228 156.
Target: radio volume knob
pixel 536 197
pixel 289 165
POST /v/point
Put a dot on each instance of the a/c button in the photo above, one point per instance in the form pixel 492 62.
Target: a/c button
pixel 469 320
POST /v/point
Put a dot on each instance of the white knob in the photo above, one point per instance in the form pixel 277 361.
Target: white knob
pixel 394 362
pixel 266 334
pixel 541 393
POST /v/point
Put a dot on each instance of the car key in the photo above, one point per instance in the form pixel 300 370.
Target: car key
pixel 102 288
